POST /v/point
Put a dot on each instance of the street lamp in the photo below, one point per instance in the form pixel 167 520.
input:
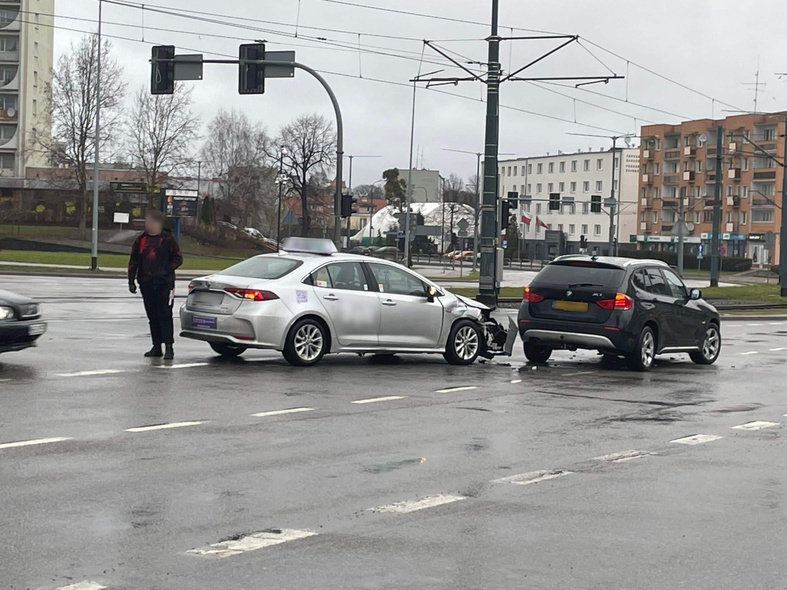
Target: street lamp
pixel 281 178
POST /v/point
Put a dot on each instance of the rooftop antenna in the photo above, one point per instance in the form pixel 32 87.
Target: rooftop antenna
pixel 756 86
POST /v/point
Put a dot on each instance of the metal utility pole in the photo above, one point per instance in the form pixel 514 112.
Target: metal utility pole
pixel 409 193
pixel 681 228
pixel 487 287
pixel 280 182
pixel 96 148
pixel 714 247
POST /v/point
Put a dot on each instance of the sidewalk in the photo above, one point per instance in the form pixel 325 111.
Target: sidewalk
pixel 76 270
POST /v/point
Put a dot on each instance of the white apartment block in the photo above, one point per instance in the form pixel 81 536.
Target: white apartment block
pixel 26 56
pixel 577 177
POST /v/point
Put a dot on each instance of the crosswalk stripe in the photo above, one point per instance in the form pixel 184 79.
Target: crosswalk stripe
pixel 92 373
pixel 414 505
pixel 524 479
pixel 83 586
pixel 251 542
pixel 454 389
pixel 756 425
pixel 696 439
pixel 30 443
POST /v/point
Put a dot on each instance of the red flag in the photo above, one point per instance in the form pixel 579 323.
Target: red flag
pixel 540 223
pixel 526 219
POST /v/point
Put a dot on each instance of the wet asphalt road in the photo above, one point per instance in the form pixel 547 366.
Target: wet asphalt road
pixel 490 476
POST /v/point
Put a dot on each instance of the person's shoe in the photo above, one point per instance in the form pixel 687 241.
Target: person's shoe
pixel 154 352
pixel 169 353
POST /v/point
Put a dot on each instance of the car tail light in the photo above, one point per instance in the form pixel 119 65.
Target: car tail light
pixel 191 286
pixel 621 301
pixel 531 297
pixel 252 294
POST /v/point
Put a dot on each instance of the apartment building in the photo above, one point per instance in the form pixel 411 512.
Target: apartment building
pixel 26 56
pixel 576 178
pixel 678 163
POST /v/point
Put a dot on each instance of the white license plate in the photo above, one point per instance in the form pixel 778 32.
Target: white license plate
pixel 36 329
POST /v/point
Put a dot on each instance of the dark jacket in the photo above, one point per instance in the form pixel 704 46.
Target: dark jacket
pixel 154 259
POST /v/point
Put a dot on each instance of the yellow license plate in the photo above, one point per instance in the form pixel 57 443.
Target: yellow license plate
pixel 570 305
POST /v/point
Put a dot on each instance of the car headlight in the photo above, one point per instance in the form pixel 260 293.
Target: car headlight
pixel 6 313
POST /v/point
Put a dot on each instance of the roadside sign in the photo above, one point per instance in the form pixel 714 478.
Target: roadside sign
pixel 128 187
pixel 462 233
pixel 463 224
pixel 280 71
pixel 181 203
pixel 121 218
pixel 700 251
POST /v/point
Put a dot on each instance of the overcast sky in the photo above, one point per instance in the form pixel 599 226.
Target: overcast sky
pixel 713 46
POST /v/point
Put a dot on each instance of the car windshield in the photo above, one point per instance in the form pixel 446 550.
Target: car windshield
pixel 263 267
pixel 581 274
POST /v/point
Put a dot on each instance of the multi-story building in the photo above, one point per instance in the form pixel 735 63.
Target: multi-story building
pixel 678 163
pixel 427 185
pixel 576 178
pixel 26 56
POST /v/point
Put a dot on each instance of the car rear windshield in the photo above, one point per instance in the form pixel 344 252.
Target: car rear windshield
pixel 263 267
pixel 581 273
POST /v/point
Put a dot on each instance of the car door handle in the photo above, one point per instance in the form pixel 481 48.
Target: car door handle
pixel 330 297
pixel 389 302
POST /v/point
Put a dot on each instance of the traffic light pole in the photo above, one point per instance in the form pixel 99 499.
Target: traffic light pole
pixel 487 288
pixel 714 247
pixel 783 231
pixel 96 149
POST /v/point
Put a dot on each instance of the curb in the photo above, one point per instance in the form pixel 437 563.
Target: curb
pixel 748 318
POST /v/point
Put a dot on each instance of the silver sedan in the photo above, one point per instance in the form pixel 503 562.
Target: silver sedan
pixel 308 300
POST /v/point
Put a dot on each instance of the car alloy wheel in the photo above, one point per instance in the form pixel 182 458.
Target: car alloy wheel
pixel 466 343
pixel 647 349
pixel 308 342
pixel 710 347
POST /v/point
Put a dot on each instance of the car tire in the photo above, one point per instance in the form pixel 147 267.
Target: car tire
pixel 306 343
pixel 464 343
pixel 227 350
pixel 537 353
pixel 645 352
pixel 710 347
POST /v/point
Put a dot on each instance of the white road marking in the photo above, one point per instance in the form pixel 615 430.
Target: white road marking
pixel 165 426
pixel 749 353
pixel 777 323
pixel 374 400
pixel 414 505
pixel 524 479
pixel 282 412
pixel 756 425
pixel 4 380
pixel 251 542
pixel 516 381
pixel 696 439
pixel 92 373
pixel 83 586
pixel 778 349
pixel 453 389
pixel 621 456
pixel 182 366
pixel 754 324
pixel 30 443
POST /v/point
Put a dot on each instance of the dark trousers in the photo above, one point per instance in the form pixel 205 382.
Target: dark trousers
pixel 158 306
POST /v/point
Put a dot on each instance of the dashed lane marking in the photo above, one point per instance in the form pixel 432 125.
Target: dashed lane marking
pixel 30 443
pixel 83 586
pixel 165 426
pixel 754 325
pixel 516 381
pixel 374 400
pixel 756 425
pixel 4 380
pixel 524 479
pixel 282 412
pixel 182 366
pixel 454 389
pixel 696 439
pixel 778 349
pixel 621 456
pixel 414 505
pixel 749 353
pixel 92 373
pixel 777 323
pixel 251 542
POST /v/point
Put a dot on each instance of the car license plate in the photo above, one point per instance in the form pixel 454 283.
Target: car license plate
pixel 36 329
pixel 204 323
pixel 570 305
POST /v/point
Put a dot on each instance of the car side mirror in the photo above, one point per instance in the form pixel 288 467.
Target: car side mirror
pixel 431 292
pixel 695 294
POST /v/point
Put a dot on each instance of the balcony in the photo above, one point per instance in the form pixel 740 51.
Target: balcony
pixel 734 201
pixel 646 203
pixel 7 115
pixel 672 155
pixel 734 147
pixel 734 173
pixel 647 154
pixel 647 178
pixel 765 175
pixel 670 202
pixel 762 202
pixel 688 175
pixel 689 151
pixel 671 179
pixel 709 201
pixel 710 176
pixel 730 227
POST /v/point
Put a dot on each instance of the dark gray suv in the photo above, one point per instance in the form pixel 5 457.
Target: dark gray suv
pixel 618 306
pixel 20 322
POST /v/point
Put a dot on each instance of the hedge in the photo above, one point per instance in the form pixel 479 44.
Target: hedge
pixel 728 263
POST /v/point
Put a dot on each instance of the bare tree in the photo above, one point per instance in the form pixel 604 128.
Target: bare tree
pixel 236 152
pixel 310 145
pixel 453 188
pixel 71 110
pixel 162 131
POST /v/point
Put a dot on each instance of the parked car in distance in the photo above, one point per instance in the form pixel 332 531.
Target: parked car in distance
pixel 362 250
pixel 389 253
pixel 20 322
pixel 619 306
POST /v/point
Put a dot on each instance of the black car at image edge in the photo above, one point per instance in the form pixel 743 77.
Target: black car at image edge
pixel 20 322
pixel 618 306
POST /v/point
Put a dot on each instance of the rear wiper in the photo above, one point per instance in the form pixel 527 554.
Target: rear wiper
pixel 574 285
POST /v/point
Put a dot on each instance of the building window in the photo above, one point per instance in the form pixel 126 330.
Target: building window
pixel 7 101
pixel 573 187
pixel 562 166
pixel 35 107
pixel 538 188
pixel 584 229
pixel 586 186
pixel 7 73
pixel 745 163
pixel 600 164
pixel 597 230
pixel 551 167
pixel 599 186
pixel 530 168
pixel 35 78
pixel 539 168
pixel 35 49
pixel 762 215
pixel 529 189
pixel 9 45
pixel 573 165
pixel 656 169
pixel 538 209
pixel 561 187
pixel 559 227
pixel 586 165
pixel 7 15
pixel 571 229
pixel 550 187
pixel 516 169
pixel 7 161
pixel 585 208
pixel 523 170
pixel 7 132
pixel 743 217
pixel 769 135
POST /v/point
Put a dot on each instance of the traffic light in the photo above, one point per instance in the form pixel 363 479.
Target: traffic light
pixel 505 214
pixel 513 200
pixel 554 201
pixel 348 205
pixel 162 70
pixel 251 76
pixel 595 204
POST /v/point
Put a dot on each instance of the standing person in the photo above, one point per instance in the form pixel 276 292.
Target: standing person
pixel 154 257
